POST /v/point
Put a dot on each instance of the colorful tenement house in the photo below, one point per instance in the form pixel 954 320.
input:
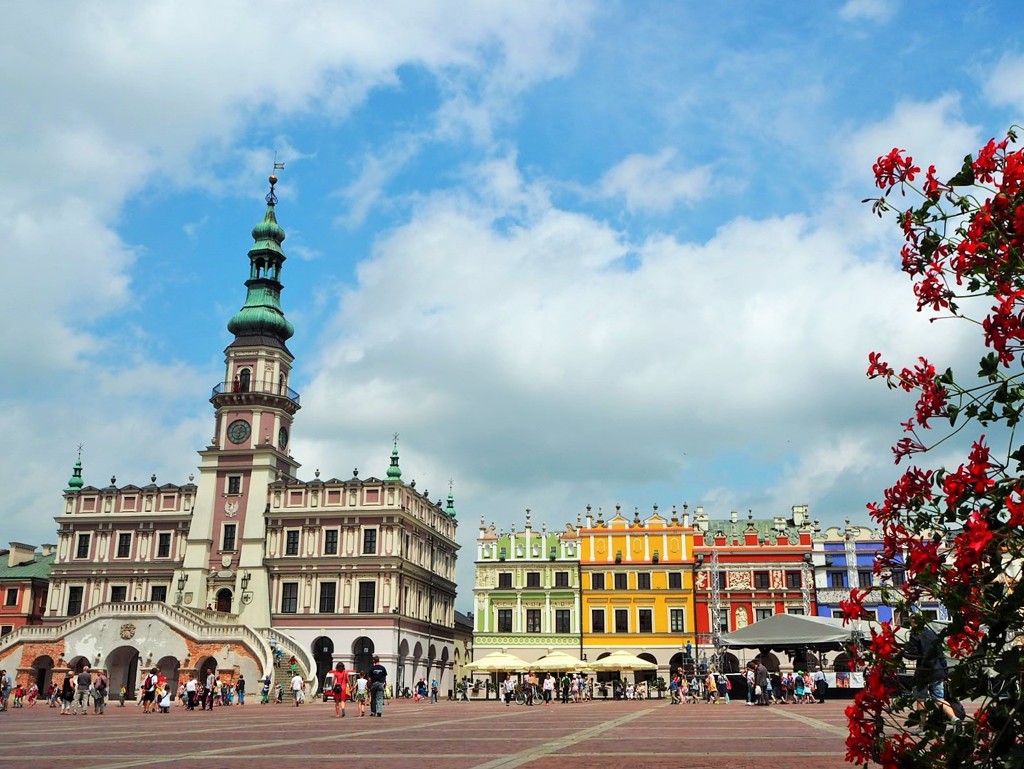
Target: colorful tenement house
pixel 250 565
pixel 749 570
pixel 24 583
pixel 526 593
pixel 845 559
pixel 637 587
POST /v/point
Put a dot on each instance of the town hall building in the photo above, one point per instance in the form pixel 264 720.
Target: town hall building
pixel 245 565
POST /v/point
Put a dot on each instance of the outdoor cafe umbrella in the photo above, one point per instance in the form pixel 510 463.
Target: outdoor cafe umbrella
pixel 558 661
pixel 621 660
pixel 498 662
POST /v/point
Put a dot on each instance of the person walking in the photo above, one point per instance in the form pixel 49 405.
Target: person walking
pixel 820 685
pixel 240 689
pixel 378 680
pixel 340 690
pixel 362 692
pixel 761 683
pixel 99 701
pixel 83 682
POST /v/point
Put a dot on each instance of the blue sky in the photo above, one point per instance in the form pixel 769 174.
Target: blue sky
pixel 574 253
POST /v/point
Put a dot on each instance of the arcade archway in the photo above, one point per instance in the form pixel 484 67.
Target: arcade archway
pixel 123 670
pixel 323 656
pixel 362 654
pixel 43 668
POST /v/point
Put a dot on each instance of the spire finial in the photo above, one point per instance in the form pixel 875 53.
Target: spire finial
pixel 394 471
pixel 271 196
pixel 75 481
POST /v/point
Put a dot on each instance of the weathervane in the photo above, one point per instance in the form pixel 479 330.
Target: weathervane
pixel 271 197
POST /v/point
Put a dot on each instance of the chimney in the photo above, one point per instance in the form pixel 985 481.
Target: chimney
pixel 20 553
pixel 734 516
pixel 48 549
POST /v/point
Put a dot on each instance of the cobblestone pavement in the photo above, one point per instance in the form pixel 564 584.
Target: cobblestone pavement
pixel 477 735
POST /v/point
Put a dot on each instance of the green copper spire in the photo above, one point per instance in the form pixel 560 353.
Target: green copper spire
pixel 75 481
pixel 450 507
pixel 395 472
pixel 261 319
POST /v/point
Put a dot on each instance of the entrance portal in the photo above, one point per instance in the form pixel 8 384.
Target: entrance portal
pixel 123 670
pixel 224 600
pixel 323 655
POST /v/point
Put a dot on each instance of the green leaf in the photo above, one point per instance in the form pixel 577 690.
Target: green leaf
pixel 966 175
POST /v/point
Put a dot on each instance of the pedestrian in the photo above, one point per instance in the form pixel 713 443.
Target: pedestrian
pixel 761 683
pixel 99 702
pixel 67 694
pixel 362 692
pixel 6 685
pixel 820 685
pixel 434 688
pixel 340 690
pixel 508 688
pixel 378 679
pixel 210 689
pixel 121 695
pixel 191 692
pixel 83 682
pixel 931 670
pixel 240 689
pixel 549 688
pixel 149 686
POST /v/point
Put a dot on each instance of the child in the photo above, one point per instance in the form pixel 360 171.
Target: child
pixel 280 695
pixel 361 684
pixel 165 700
pixel 265 692
pixel 19 693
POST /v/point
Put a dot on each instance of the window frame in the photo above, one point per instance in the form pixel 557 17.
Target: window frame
pixel 644 616
pixel 643 580
pixel 370 545
pixel 163 537
pixel 563 620
pixel 11 597
pixel 597 580
pixel 153 593
pixel 122 590
pixel 288 542
pixel 366 597
pixel 676 620
pixel 233 485
pixel 533 620
pixel 504 620
pixel 533 579
pixel 505 580
pixel 594 615
pixel 762 579
pixel 621 617
pixel 229 545
pixel 76 600
pixel 289 598
pixel 331 587
pixel 331 542
pixel 620 580
pixel 794 579
pixel 561 579
pixel 124 545
pixel 83 543
pixel 675 580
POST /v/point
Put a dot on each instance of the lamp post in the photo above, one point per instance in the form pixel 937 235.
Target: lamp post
pixel 400 672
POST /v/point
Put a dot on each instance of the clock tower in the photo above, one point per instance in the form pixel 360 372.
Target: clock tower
pixel 255 406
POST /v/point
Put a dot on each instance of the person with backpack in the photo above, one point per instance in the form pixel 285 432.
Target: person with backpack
pixel 149 691
pixel 99 699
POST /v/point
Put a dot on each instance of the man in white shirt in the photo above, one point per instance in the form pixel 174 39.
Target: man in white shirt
pixel 297 688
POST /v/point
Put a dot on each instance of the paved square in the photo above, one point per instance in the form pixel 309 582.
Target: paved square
pixel 477 735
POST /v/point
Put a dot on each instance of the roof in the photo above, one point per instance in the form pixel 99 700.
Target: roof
pixel 38 568
pixel 792 631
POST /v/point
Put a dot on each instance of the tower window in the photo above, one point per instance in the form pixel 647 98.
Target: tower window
pixel 290 598
pixel 331 542
pixel 75 600
pixel 234 484
pixel 369 541
pixel 367 597
pixel 244 380
pixel 228 542
pixel 83 546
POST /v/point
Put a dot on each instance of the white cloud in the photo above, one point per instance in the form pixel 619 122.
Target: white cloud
pixel 650 183
pixel 1005 85
pixel 872 10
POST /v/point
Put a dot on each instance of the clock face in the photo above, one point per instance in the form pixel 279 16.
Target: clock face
pixel 282 437
pixel 238 431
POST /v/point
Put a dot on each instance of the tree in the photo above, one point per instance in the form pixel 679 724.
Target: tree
pixel 956 534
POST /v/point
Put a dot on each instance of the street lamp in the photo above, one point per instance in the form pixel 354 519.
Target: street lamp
pixel 398 650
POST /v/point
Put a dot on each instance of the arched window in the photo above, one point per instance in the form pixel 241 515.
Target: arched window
pixel 244 380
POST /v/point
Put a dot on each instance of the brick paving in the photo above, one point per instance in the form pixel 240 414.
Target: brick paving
pixel 477 735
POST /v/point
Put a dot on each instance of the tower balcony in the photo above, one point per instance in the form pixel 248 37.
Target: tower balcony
pixel 265 391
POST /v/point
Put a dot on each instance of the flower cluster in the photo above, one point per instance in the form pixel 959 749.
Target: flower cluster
pixel 953 533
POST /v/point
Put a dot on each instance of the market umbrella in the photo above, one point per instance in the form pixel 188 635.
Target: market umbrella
pixel 621 660
pixel 497 662
pixel 558 661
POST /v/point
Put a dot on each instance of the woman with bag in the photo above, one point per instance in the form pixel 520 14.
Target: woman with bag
pixel 340 690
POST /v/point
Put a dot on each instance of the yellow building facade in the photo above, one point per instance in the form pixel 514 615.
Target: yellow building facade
pixel 637 588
